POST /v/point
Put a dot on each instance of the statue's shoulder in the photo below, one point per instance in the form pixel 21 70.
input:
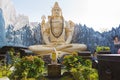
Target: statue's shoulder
pixel 69 24
pixel 49 18
pixel 72 24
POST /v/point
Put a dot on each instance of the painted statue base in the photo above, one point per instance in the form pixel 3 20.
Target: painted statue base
pixel 54 70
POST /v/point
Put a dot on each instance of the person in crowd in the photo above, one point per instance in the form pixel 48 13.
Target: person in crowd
pixel 116 45
pixel 119 51
pixel 94 60
pixel 116 40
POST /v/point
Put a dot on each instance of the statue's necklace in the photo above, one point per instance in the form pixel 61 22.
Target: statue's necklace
pixel 52 31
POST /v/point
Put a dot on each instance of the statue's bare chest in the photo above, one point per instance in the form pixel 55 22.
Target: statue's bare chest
pixel 57 27
pixel 56 23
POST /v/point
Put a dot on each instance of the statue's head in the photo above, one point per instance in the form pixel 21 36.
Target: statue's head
pixel 56 10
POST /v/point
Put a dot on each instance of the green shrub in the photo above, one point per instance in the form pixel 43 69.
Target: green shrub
pixel 28 67
pixel 102 48
pixel 81 69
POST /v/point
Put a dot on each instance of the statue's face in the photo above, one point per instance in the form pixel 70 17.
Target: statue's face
pixel 56 12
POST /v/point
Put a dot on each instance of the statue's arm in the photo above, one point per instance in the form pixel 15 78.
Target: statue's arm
pixel 45 33
pixel 46 37
pixel 69 31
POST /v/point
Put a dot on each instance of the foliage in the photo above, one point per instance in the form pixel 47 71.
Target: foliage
pixel 15 58
pixel 3 69
pixel 7 66
pixel 70 61
pixel 81 69
pixel 28 67
pixel 102 48
pixel 4 72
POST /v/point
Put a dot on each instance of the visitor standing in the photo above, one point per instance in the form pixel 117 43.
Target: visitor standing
pixel 116 44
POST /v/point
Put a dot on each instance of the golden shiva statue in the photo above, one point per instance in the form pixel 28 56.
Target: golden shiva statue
pixel 57 35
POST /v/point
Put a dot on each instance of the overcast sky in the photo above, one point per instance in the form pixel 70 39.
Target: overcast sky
pixel 97 14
